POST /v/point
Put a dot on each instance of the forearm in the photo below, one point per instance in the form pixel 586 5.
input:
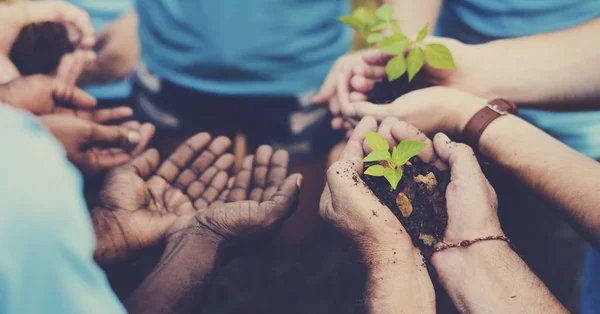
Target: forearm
pixel 559 173
pixel 179 280
pixel 489 277
pixel 413 15
pixel 555 70
pixel 398 282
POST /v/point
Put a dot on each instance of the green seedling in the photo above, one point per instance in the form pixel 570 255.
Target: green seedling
pixel 382 31
pixel 390 165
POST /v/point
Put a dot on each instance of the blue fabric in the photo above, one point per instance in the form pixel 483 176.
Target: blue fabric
pixel 590 295
pixel 478 21
pixel 102 13
pixel 243 47
pixel 46 237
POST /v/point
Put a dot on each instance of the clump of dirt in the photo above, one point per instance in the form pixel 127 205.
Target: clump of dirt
pixel 385 91
pixel 419 201
pixel 39 48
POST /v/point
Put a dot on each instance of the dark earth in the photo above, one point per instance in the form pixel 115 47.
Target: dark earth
pixel 385 91
pixel 39 48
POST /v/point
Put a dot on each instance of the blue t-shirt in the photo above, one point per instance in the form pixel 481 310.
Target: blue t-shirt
pixel 243 47
pixel 46 237
pixel 102 13
pixel 478 21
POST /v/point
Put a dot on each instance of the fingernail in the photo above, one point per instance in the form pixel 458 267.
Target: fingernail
pixel 133 137
pixel 299 181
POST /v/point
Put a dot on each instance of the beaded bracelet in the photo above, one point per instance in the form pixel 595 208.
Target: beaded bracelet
pixel 444 246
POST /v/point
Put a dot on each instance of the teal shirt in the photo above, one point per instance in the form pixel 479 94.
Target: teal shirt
pixel 102 13
pixel 243 47
pixel 478 21
pixel 46 237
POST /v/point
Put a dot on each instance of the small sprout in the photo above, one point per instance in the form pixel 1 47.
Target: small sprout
pixel 390 165
pixel 404 205
pixel 382 30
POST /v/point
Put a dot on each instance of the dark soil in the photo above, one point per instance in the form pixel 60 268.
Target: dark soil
pixel 39 48
pixel 429 218
pixel 385 91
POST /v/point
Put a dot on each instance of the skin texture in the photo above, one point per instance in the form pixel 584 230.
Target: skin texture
pixel 350 207
pixel 14 16
pixel 95 148
pixel 197 223
pixel 118 52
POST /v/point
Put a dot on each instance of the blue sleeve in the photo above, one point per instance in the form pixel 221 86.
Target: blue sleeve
pixel 46 237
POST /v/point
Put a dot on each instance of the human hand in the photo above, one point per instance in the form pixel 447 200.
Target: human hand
pixel 350 206
pixel 95 148
pixel 141 200
pixel 119 52
pixel 433 109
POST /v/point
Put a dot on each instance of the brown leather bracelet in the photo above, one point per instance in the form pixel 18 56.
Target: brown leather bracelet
pixel 493 110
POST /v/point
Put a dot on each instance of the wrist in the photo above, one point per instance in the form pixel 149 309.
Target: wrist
pixel 462 108
pixel 389 251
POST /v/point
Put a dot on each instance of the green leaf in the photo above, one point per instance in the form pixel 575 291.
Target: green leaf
pixel 393 176
pixel 365 17
pixel 439 56
pixel 375 171
pixel 395 68
pixel 423 33
pixel 385 12
pixel 414 62
pixel 379 26
pixel 408 149
pixel 377 142
pixel 394 154
pixel 378 156
pixel 374 38
pixel 351 21
pixel 395 44
pixel 395 28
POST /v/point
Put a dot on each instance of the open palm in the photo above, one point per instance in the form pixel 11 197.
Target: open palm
pixel 140 200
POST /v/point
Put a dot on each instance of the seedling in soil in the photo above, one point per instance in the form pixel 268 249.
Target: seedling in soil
pixel 390 165
pixel 382 30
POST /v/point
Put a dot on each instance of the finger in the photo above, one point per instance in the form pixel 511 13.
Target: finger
pixel 278 171
pixel 71 66
pixel 116 136
pixel 362 84
pixel 376 57
pixel 283 203
pixel 112 114
pixel 385 130
pixel 337 123
pixel 328 88
pixel 81 99
pixel 197 184
pixel 370 71
pixel 132 125
pixel 261 168
pixel 460 158
pixel 242 182
pixel 216 149
pixel 343 93
pixel 178 161
pixel 212 191
pixel 145 164
pixel 405 131
pixel 146 131
pixel 100 160
pixel 222 197
pixel 334 106
pixel 379 112
pixel 353 152
pixel 357 97
pixel 71 94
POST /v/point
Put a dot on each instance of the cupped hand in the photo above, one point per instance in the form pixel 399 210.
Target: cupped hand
pixel 470 199
pixel 95 148
pixel 350 206
pixel 141 200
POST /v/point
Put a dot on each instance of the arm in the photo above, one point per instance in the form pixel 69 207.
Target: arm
pixel 413 15
pixel 545 69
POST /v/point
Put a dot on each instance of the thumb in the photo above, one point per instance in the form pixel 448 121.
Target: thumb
pixel 283 203
pixel 364 109
pixel 116 136
pixel 73 95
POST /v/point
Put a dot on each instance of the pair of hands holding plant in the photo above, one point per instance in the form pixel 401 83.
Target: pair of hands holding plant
pixel 190 194
pixel 349 205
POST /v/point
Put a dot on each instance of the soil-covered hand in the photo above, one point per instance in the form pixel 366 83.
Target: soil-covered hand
pixel 471 201
pixel 141 200
pixel 350 206
pixel 119 52
pixel 257 201
pixel 433 109
pixel 95 148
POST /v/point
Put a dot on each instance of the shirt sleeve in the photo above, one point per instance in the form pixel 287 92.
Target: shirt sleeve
pixel 46 237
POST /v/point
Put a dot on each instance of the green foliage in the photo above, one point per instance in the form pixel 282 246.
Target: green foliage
pixel 390 165
pixel 382 30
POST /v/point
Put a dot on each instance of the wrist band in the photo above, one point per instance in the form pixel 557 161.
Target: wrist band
pixel 444 246
pixel 479 122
